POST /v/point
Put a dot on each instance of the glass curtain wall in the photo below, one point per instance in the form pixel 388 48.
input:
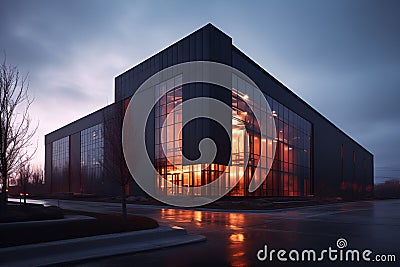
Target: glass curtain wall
pixel 60 158
pixel 291 168
pixel 172 139
pixel 92 156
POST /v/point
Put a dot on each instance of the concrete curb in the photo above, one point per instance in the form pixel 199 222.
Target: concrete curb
pixel 95 247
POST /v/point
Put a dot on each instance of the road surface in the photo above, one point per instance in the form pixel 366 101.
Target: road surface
pixel 235 238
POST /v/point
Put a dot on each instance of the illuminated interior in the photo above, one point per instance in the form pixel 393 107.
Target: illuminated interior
pixel 290 174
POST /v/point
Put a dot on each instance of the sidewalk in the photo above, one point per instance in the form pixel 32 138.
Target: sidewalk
pixel 96 246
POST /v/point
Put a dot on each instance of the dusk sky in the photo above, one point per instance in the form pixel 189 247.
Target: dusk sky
pixel 341 57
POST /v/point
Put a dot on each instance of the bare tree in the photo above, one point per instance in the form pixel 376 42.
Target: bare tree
pixel 16 131
pixel 114 164
pixel 37 177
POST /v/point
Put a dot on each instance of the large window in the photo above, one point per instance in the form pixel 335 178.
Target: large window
pixel 92 152
pixel 291 169
pixel 290 174
pixel 60 158
pixel 172 139
pixel 291 165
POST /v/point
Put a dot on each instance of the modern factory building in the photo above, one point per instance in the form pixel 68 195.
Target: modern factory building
pixel 312 157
